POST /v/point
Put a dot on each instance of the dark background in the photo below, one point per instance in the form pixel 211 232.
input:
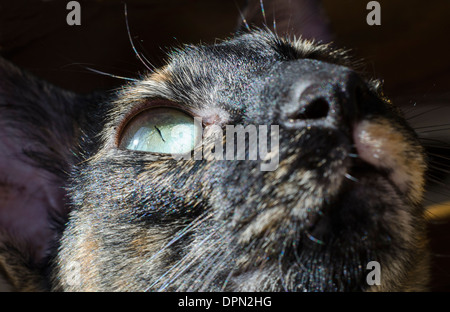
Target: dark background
pixel 409 51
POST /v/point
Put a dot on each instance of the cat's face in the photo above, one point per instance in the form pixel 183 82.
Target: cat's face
pixel 342 185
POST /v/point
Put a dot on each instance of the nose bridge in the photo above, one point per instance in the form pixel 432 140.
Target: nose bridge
pixel 319 92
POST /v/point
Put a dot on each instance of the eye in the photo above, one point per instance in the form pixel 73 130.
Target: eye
pixel 161 130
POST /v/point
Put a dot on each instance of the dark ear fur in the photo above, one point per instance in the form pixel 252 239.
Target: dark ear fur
pixel 304 18
pixel 39 124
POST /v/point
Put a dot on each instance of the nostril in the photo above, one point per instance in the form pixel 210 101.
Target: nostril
pixel 316 109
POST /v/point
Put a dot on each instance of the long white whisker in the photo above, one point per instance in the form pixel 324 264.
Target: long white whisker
pixel 351 178
pixel 111 75
pixel 184 264
pixel 242 16
pixel 138 55
pixel 196 222
pixel 208 275
pixel 246 251
pixel 179 264
pixel 263 11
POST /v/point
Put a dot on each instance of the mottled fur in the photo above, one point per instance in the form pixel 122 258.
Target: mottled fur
pixel 143 221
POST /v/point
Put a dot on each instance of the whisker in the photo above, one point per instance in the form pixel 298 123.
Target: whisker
pixel 438 192
pixel 195 223
pixel 198 221
pixel 202 269
pixel 172 269
pixel 274 23
pixel 138 55
pixel 434 140
pixel 434 130
pixel 437 180
pixel 424 112
pixel 435 146
pixel 440 143
pixel 246 251
pixel 242 16
pixel 223 257
pixel 441 255
pixel 315 240
pixel 432 126
pixel 439 156
pixel 263 11
pixel 110 75
pixel 431 202
pixel 295 245
pixel 143 56
pixel 350 177
pixel 187 262
pixel 438 168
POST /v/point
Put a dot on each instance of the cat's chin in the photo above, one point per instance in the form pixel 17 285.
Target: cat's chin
pixel 367 220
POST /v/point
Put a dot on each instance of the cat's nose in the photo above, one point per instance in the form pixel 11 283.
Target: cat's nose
pixel 326 98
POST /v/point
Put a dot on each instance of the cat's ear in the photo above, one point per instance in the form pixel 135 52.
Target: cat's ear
pixel 305 18
pixel 39 124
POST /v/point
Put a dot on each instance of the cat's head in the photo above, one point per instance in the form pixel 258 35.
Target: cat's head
pixel 325 177
pixel 160 203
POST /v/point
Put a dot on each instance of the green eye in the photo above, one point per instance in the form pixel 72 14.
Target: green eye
pixel 161 130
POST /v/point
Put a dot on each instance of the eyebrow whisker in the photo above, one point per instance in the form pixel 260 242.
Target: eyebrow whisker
pixel 138 55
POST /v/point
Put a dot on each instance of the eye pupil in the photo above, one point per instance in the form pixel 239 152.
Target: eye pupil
pixel 161 130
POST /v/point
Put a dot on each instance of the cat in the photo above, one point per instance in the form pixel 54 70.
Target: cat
pixel 115 208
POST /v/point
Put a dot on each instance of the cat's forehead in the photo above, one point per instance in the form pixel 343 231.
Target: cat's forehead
pixel 250 53
pixel 220 79
pixel 227 64
pixel 223 65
